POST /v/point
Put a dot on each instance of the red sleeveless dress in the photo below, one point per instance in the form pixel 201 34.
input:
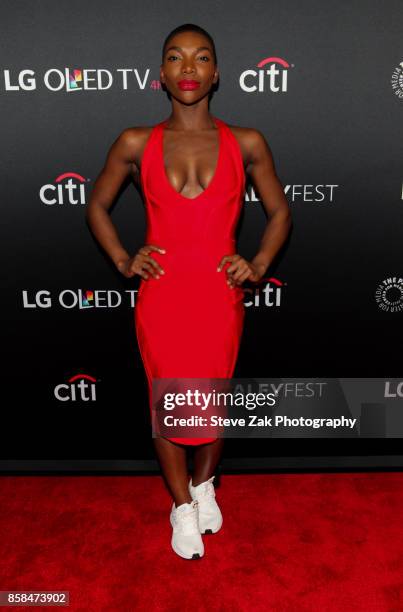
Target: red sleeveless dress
pixel 189 321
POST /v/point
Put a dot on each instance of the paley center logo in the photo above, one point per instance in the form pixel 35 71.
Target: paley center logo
pixel 389 294
pixel 67 188
pixel 270 74
pixel 80 387
pixel 397 80
pixel 75 79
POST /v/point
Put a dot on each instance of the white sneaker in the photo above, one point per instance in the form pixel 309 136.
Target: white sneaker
pixel 210 517
pixel 186 539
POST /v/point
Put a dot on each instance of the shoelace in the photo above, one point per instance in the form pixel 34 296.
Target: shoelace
pixel 187 521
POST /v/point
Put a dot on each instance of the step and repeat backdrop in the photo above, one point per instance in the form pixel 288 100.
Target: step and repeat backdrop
pixel 323 81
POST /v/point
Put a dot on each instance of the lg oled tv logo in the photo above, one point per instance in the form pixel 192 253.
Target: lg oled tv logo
pixel 393 389
pixel 67 188
pixel 78 388
pixel 75 79
pixel 77 299
pixel 270 74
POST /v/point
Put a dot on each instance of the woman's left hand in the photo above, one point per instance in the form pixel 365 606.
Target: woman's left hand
pixel 240 270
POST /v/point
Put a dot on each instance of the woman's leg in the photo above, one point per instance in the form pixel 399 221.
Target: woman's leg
pixel 206 457
pixel 172 459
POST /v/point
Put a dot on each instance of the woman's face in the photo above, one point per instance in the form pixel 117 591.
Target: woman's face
pixel 188 58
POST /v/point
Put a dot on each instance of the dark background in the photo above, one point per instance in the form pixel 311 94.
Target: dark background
pixel 338 123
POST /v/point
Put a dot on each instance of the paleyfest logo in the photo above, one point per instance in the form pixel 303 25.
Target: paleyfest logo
pixel 67 188
pixel 389 294
pixel 321 194
pixel 270 74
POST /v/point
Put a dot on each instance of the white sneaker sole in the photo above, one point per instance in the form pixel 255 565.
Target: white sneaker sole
pixel 211 531
pixel 193 557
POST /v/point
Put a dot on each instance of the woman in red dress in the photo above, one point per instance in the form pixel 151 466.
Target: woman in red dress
pixel 189 312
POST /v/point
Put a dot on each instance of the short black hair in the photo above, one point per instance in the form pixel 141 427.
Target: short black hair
pixel 189 27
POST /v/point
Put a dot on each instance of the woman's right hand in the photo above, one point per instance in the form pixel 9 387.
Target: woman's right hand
pixel 142 262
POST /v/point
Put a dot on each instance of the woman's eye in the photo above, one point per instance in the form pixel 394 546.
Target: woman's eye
pixel 203 57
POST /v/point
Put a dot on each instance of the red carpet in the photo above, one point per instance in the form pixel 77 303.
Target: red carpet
pixel 289 543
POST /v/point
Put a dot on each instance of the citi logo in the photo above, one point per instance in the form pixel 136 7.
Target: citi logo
pixel 67 188
pixel 271 74
pixel 267 293
pixel 80 387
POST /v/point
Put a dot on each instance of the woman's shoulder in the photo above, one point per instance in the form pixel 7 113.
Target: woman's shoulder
pixel 135 138
pixel 245 132
pixel 249 138
pixel 130 143
pixel 136 133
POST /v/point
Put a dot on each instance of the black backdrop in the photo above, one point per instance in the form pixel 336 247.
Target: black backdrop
pixel 73 76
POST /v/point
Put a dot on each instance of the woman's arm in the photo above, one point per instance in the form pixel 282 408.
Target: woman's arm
pixel 262 171
pixel 117 166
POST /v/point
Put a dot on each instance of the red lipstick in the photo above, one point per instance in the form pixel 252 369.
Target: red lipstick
pixel 186 84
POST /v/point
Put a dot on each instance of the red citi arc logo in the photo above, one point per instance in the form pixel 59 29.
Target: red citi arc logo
pixel 68 188
pixel 80 387
pixel 273 79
